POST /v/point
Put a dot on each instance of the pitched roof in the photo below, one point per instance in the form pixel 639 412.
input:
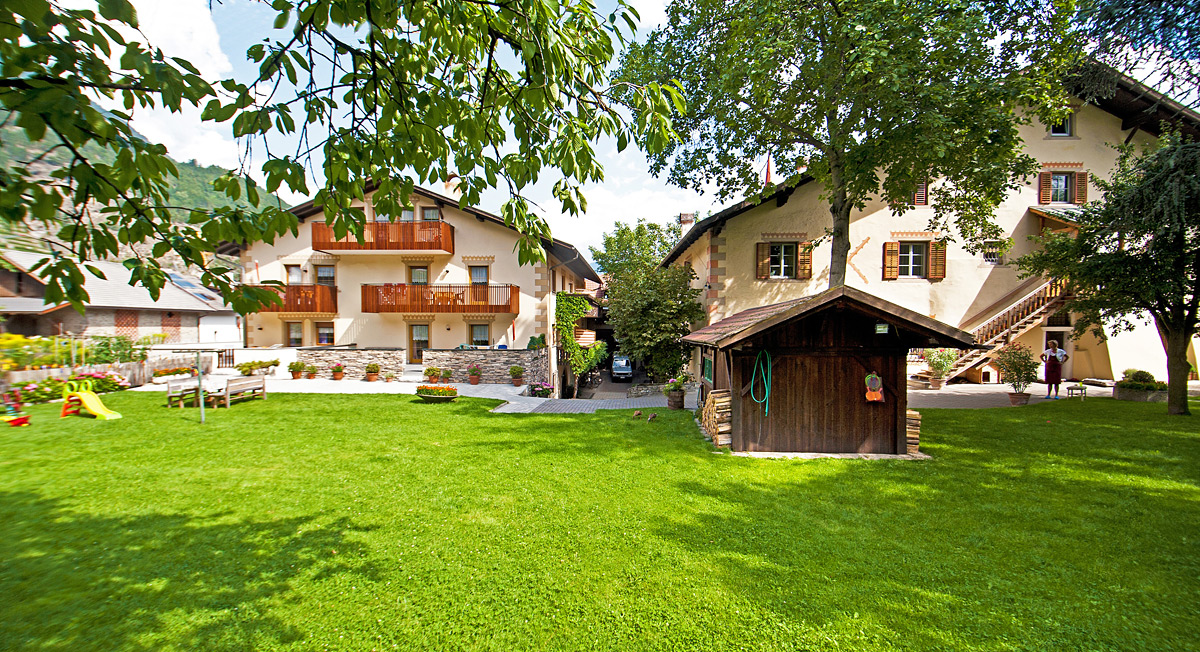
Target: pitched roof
pixel 564 251
pixel 25 306
pixel 717 220
pixel 738 327
pixel 114 290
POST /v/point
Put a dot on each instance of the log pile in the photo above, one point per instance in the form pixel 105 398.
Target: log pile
pixel 914 431
pixel 717 417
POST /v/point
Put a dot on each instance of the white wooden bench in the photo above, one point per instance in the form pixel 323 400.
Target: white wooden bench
pixel 249 386
pixel 179 391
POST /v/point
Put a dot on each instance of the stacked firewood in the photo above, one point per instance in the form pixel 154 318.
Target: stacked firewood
pixel 717 417
pixel 914 430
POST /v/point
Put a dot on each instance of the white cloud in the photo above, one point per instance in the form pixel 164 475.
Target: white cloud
pixel 653 12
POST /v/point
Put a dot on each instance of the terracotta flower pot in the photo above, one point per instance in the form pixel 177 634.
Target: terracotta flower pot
pixel 1018 398
pixel 297 374
pixel 372 377
pixel 517 381
pixel 337 375
pixel 474 379
pixel 310 376
pixel 388 380
pixel 935 383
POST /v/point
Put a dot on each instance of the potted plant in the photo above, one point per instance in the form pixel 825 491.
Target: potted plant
pixel 446 374
pixel 435 394
pixel 1019 369
pixel 474 373
pixel 372 372
pixel 338 370
pixel 940 361
pixel 389 377
pixel 297 369
pixel 517 372
pixel 432 374
pixel 541 390
pixel 1138 385
pixel 674 391
pixel 310 371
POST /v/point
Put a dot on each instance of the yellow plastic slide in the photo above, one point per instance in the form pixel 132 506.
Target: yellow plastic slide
pixel 93 404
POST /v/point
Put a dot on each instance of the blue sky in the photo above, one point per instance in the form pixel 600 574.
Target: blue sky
pixel 215 40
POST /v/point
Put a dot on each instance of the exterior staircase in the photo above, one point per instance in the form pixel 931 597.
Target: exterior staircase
pixel 1021 316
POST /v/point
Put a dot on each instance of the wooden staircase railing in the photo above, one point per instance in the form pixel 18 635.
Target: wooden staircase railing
pixel 1013 322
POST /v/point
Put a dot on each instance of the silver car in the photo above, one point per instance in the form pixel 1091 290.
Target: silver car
pixel 622 368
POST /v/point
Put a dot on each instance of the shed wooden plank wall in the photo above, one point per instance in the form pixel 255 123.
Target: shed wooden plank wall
pixel 818 399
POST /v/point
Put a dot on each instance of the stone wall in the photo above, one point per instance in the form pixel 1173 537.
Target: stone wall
pixel 355 360
pixel 493 362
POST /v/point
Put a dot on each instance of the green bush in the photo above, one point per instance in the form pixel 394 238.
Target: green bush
pixel 1018 366
pixel 1138 376
pixel 940 360
pixel 1152 386
pixel 537 342
pixel 248 368
pixel 516 371
pixel 50 389
pixel 372 368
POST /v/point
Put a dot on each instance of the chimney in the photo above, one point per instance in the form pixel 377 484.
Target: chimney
pixel 686 220
pixel 451 186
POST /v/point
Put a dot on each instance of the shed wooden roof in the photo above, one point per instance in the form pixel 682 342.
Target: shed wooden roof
pixel 736 328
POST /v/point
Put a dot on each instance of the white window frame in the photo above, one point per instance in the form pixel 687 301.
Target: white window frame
pixel 779 266
pixel 913 259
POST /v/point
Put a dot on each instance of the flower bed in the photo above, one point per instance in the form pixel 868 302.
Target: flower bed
pixel 436 393
pixel 52 388
pixel 541 390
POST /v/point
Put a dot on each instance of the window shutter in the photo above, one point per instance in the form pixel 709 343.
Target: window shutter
pixel 937 260
pixel 1044 188
pixel 763 258
pixel 1081 184
pixel 891 261
pixel 921 196
pixel 804 260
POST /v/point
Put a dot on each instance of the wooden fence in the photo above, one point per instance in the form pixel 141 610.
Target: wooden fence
pixel 137 373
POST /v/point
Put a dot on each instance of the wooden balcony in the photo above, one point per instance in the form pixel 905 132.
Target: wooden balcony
pixel 460 298
pixel 388 236
pixel 320 299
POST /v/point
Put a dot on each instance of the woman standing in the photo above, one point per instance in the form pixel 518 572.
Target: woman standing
pixel 1054 358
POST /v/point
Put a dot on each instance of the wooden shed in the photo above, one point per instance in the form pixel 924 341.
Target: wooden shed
pixel 819 351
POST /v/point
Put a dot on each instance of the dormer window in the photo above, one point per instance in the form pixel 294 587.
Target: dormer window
pixel 1066 128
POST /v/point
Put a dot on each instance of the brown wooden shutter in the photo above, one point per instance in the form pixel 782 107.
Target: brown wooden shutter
pixel 1044 188
pixel 763 258
pixel 804 260
pixel 1081 184
pixel 937 260
pixel 921 196
pixel 891 261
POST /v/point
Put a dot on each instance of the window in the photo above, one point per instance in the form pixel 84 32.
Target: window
pixel 431 214
pixel 921 196
pixel 326 275
pixel 993 252
pixel 295 275
pixel 783 260
pixel 479 274
pixel 295 333
pixel 418 275
pixel 912 259
pixel 324 332
pixel 480 335
pixel 406 215
pixel 1064 128
pixel 1060 186
pixel 706 367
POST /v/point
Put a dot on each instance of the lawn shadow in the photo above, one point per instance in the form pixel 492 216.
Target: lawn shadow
pixel 78 581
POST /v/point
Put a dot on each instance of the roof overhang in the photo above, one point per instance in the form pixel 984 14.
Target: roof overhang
pixel 943 334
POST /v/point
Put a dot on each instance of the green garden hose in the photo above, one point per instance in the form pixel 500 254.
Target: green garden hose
pixel 762 371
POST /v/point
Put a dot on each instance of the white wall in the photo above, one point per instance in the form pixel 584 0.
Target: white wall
pixel 221 328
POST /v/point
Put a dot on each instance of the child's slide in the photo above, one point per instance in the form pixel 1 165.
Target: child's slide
pixel 78 395
pixel 93 404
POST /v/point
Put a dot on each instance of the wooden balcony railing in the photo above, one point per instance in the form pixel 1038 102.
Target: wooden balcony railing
pixel 305 298
pixel 388 236
pixel 461 298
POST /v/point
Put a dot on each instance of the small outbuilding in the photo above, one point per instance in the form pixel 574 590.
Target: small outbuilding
pixel 820 374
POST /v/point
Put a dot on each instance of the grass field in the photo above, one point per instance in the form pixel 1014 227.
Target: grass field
pixel 373 522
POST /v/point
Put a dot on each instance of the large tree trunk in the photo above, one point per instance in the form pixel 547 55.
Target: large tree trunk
pixel 1177 340
pixel 839 208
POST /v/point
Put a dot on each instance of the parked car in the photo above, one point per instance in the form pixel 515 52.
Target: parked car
pixel 622 368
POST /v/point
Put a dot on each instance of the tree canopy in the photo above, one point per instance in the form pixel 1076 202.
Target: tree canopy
pixel 636 249
pixel 376 94
pixel 1137 254
pixel 870 97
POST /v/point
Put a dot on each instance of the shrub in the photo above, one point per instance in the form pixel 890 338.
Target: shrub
pixel 516 371
pixel 1152 386
pixel 372 368
pixel 537 342
pixel 432 371
pixel 541 390
pixel 940 360
pixel 1017 364
pixel 436 390
pixel 296 366
pixel 248 368
pixel 1138 376
pixel 474 370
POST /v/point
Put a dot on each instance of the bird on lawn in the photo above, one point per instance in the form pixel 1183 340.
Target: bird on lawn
pixel 652 415
pixel 637 413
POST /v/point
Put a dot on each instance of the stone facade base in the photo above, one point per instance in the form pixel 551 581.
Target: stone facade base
pixel 493 362
pixel 355 361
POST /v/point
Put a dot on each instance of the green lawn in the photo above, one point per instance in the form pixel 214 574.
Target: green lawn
pixel 373 522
